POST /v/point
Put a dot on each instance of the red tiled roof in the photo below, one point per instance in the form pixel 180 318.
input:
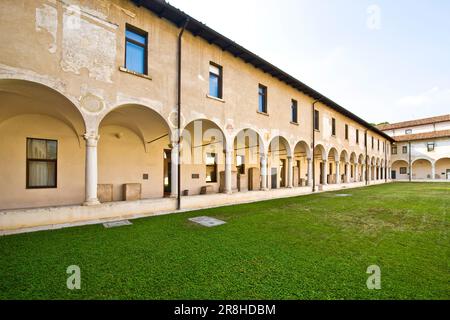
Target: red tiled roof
pixel 423 136
pixel 413 123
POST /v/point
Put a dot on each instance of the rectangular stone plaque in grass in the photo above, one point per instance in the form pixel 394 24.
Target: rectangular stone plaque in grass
pixel 116 224
pixel 207 221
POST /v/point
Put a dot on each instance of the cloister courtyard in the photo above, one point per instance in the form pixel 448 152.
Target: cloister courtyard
pixel 310 247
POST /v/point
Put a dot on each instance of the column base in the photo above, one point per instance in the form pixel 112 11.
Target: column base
pixel 91 203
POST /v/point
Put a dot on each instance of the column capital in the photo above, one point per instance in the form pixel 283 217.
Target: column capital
pixel 91 138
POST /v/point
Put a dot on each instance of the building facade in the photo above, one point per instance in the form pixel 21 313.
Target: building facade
pixel 421 150
pixel 90 93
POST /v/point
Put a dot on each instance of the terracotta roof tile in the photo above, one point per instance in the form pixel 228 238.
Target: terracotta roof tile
pixel 423 136
pixel 413 123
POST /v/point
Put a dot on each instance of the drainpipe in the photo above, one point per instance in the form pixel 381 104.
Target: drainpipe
pixel 385 161
pixel 409 160
pixel 179 113
pixel 313 146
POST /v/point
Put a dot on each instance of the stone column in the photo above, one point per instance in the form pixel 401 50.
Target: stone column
pixel 433 171
pixel 228 164
pixel 290 173
pixel 324 172
pixel 91 175
pixel 309 182
pixel 264 172
pixel 174 158
pixel 356 178
pixel 338 172
pixel 347 172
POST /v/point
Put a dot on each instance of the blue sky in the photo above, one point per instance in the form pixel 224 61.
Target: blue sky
pixel 383 60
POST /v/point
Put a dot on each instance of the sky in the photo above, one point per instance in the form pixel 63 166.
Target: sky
pixel 386 60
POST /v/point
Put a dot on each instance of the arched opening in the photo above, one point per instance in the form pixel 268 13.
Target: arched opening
pixel 44 153
pixel 203 159
pixel 248 148
pixel 422 169
pixel 344 169
pixel 302 157
pixel 333 161
pixel 279 152
pixel 361 165
pixel 399 170
pixel 353 167
pixel 134 152
pixel 442 169
pixel 372 168
pixel 320 162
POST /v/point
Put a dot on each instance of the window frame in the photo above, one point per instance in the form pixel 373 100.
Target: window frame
pixel 357 136
pixel 28 160
pixel 404 149
pixel 333 127
pixel 408 131
pixel 142 33
pixel 405 170
pixel 433 144
pixel 220 80
pixel 316 120
pixel 294 106
pixel 346 131
pixel 265 96
pixel 394 150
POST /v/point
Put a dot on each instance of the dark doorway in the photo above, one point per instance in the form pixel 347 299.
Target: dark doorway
pixel 274 178
pixel 393 174
pixel 167 172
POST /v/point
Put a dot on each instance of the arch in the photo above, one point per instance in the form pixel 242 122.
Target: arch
pixel 19 97
pixel 333 154
pixel 442 168
pixel 203 151
pixel 148 124
pixel 421 169
pixel 361 159
pixel 280 142
pixel 396 170
pixel 319 152
pixel 353 158
pixel 302 148
pixel 344 156
pixel 42 112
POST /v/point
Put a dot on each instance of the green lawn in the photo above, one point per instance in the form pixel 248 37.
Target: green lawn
pixel 310 247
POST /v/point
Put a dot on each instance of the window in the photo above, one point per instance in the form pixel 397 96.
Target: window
pixel 404 149
pixel 430 146
pixel 135 50
pixel 357 136
pixel 41 163
pixel 316 120
pixel 215 80
pixel 294 111
pixel 365 139
pixel 240 164
pixel 403 170
pixel 211 167
pixel 333 126
pixel 372 142
pixel 394 149
pixel 408 131
pixel 378 142
pixel 346 132
pixel 262 101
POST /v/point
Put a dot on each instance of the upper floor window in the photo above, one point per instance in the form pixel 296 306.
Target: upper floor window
pixel 215 80
pixel 346 132
pixel 262 98
pixel 41 163
pixel 333 126
pixel 294 111
pixel 373 142
pixel 357 136
pixel 430 146
pixel 408 131
pixel 404 149
pixel 394 150
pixel 365 139
pixel 316 120
pixel 378 144
pixel 135 50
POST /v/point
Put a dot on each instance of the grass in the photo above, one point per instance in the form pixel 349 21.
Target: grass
pixel 311 247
